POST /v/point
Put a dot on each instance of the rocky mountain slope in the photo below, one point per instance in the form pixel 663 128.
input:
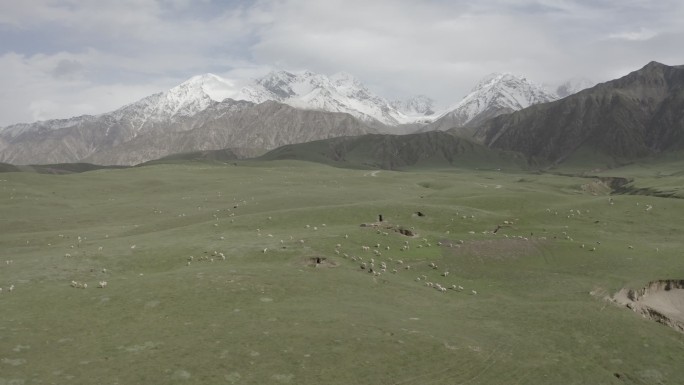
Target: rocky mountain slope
pixel 494 95
pixel 154 126
pixel 126 139
pixel 637 115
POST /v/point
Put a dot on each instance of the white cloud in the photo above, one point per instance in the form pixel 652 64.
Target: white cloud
pixel 37 93
pixel 67 57
pixel 640 35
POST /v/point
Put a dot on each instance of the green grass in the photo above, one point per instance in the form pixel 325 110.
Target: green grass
pixel 260 318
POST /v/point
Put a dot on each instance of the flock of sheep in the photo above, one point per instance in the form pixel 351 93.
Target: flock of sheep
pixel 371 263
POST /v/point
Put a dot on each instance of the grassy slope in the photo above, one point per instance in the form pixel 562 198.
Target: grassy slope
pixel 260 318
pixel 398 152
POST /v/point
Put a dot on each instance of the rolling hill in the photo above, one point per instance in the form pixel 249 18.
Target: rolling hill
pixel 393 152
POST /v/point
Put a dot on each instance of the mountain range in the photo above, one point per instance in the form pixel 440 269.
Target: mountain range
pixel 638 115
pixel 208 112
pixel 494 95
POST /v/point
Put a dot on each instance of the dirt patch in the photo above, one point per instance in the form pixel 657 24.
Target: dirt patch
pixel 386 226
pixel 661 301
pixel 491 249
pixel 319 262
pixel 596 187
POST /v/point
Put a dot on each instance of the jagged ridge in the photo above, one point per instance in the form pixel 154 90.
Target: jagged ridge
pixel 638 115
pixel 494 95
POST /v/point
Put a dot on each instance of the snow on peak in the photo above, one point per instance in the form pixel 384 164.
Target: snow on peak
pixel 419 105
pixel 499 92
pixel 340 92
pixel 345 79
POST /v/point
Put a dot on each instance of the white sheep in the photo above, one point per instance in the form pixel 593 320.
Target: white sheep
pixel 474 292
pixel 11 288
pixel 102 284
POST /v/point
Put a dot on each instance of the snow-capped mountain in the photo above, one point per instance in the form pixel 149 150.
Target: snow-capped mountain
pixel 208 112
pixel 139 132
pixel 494 95
pixel 573 86
pixel 185 117
pixel 420 107
pixel 183 101
pixel 340 92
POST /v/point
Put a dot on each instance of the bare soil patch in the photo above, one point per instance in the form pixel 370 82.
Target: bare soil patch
pixel 387 226
pixel 661 301
pixel 319 262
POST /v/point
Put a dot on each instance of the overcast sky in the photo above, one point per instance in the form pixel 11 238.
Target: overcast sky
pixel 62 58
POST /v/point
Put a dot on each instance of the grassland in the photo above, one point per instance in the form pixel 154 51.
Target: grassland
pixel 274 318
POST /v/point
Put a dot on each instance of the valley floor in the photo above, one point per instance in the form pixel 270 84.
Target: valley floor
pixel 260 273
